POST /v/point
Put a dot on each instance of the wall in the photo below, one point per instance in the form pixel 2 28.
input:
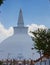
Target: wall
pixel 45 62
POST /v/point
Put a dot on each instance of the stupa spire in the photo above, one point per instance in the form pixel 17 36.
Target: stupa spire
pixel 20 22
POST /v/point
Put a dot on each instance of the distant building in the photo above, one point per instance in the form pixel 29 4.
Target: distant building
pixel 19 45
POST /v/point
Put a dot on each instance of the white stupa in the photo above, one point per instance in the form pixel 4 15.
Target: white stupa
pixel 19 45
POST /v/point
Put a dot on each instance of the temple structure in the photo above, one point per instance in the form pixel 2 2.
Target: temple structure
pixel 18 46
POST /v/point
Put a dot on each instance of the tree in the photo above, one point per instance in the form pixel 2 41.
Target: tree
pixel 1 63
pixel 1 2
pixel 42 41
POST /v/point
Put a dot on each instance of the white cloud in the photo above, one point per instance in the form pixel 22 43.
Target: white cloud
pixel 34 27
pixel 5 33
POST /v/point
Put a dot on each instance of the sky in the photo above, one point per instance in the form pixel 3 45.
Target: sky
pixel 35 14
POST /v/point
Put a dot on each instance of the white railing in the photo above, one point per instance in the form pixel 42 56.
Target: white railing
pixel 45 62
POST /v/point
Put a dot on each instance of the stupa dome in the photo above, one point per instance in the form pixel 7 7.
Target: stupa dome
pixel 18 45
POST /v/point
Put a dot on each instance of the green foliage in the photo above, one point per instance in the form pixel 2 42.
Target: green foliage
pixel 1 2
pixel 1 63
pixel 42 41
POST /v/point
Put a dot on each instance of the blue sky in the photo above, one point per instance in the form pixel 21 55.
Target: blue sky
pixel 34 12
